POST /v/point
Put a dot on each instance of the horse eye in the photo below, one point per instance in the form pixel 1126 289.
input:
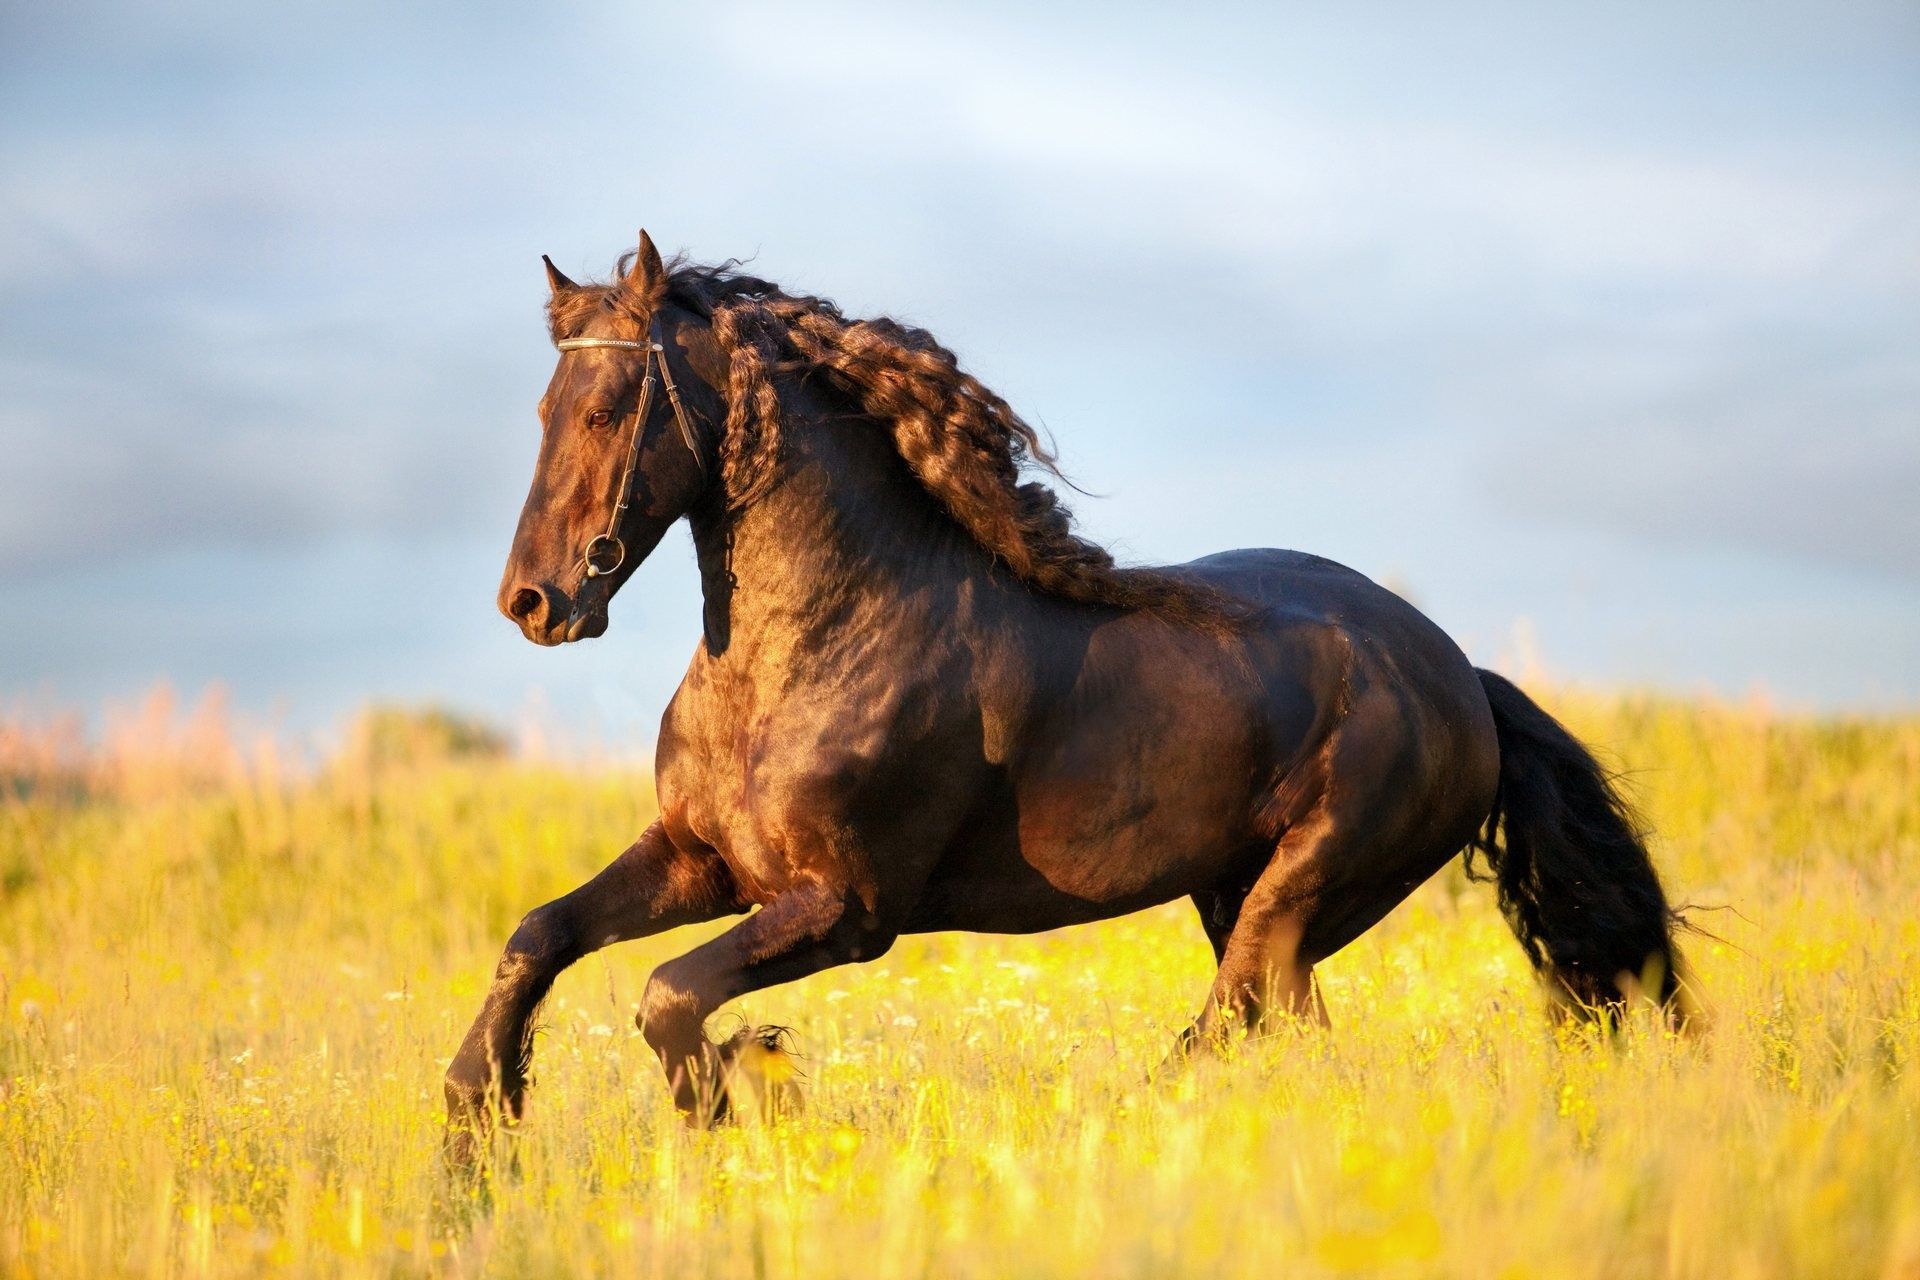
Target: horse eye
pixel 600 417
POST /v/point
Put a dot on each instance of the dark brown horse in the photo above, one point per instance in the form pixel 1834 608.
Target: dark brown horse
pixel 923 703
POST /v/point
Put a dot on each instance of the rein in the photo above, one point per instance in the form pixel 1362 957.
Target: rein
pixel 606 552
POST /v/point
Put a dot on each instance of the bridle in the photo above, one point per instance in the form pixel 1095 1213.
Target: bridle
pixel 606 553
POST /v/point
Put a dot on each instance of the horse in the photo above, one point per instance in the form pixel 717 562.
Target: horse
pixel 920 701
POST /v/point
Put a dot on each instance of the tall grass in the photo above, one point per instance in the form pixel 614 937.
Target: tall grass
pixel 229 988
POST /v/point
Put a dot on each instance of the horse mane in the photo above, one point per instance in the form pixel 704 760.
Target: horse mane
pixel 962 441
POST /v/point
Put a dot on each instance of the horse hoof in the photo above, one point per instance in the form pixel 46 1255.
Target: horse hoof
pixel 474 1112
pixel 762 1074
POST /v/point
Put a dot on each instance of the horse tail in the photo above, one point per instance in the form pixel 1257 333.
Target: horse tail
pixel 1576 883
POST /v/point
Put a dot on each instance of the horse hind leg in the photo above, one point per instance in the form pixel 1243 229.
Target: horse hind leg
pixel 1265 979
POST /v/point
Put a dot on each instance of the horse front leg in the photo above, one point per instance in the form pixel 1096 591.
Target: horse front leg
pixel 803 931
pixel 652 887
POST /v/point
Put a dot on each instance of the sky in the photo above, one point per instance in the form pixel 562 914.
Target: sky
pixel 1594 329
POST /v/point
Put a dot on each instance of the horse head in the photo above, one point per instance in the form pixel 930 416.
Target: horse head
pixel 622 453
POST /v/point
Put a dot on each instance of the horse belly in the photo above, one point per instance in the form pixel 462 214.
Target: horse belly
pixel 1017 875
pixel 1125 814
pixel 1141 837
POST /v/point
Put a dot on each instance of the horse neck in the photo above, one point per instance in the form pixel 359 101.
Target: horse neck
pixel 837 540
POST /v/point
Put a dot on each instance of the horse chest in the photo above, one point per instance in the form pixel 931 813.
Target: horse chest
pixel 803 784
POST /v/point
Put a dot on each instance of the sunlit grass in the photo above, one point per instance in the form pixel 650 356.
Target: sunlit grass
pixel 228 998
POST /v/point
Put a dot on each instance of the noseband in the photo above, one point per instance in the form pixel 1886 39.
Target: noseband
pixel 606 553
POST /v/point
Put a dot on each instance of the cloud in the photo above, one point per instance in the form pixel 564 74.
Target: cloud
pixel 1772 447
pixel 259 283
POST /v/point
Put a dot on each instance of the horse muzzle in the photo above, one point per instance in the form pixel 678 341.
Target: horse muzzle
pixel 546 616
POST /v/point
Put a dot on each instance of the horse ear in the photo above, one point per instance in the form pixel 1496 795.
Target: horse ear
pixel 555 280
pixel 648 274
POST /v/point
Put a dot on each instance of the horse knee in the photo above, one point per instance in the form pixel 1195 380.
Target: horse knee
pixel 670 1013
pixel 466 1095
pixel 544 937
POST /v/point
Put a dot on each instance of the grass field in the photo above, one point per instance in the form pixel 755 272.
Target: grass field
pixel 229 994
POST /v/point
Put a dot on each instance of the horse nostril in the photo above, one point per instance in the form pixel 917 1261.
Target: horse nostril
pixel 535 607
pixel 524 604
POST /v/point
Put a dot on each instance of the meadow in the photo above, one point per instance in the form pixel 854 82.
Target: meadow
pixel 229 985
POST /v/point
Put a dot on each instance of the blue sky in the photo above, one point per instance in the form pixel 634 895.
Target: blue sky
pixel 1599 324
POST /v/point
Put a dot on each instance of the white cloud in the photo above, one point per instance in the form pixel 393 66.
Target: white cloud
pixel 267 276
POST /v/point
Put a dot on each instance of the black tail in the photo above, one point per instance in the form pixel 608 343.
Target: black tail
pixel 1575 880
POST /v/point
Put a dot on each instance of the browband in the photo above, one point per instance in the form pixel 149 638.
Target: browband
pixel 581 344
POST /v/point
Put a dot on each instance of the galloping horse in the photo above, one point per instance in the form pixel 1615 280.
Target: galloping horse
pixel 921 702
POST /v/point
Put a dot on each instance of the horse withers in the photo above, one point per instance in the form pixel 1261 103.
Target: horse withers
pixel 920 702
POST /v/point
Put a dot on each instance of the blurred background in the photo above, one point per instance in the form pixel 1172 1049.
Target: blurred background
pixel 1595 330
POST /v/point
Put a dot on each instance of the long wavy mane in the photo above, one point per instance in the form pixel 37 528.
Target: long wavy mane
pixel 962 441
